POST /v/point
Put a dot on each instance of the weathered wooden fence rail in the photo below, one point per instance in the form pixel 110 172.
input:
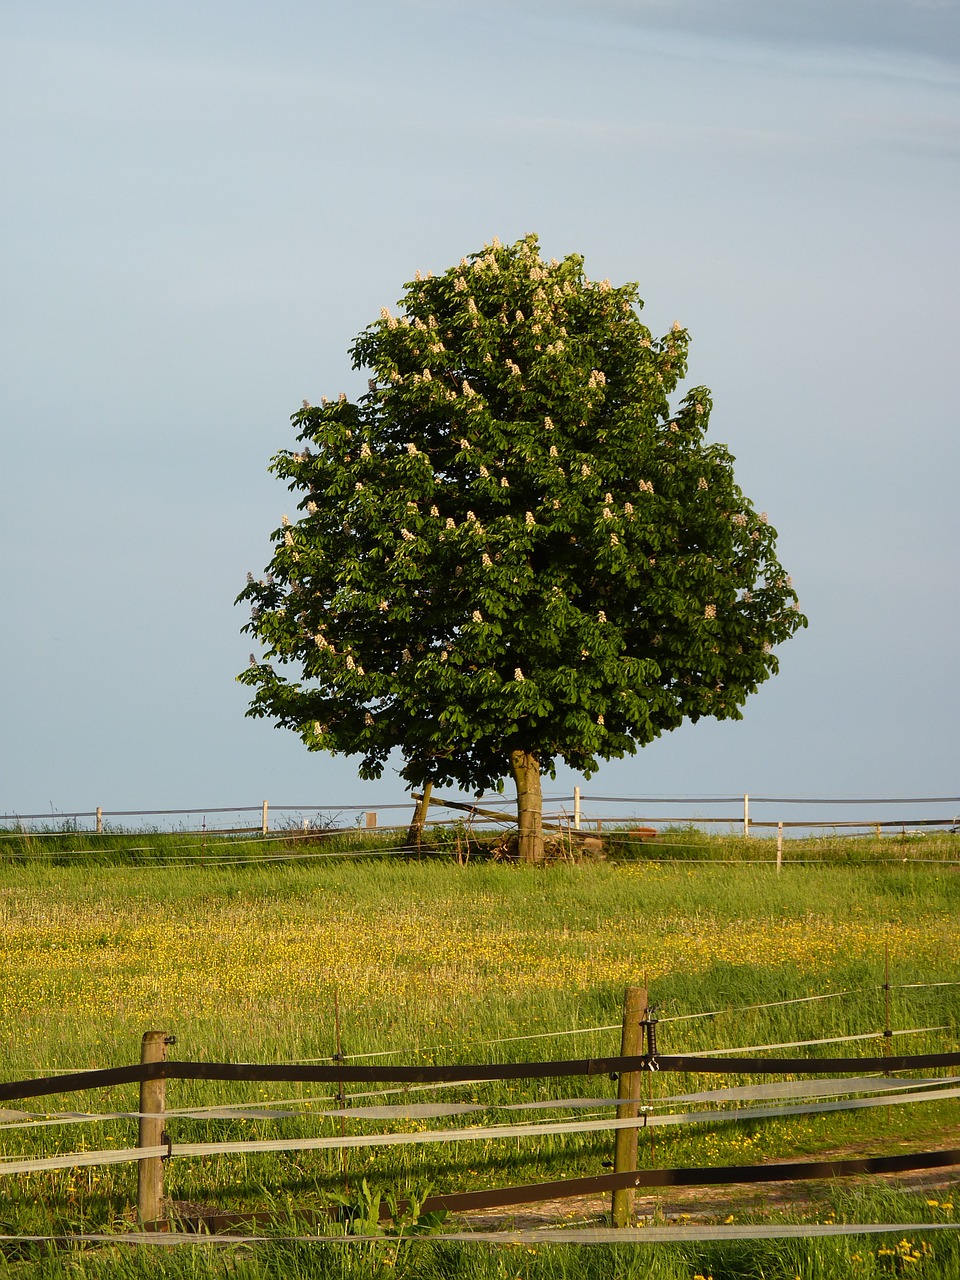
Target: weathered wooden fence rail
pixel 154 1146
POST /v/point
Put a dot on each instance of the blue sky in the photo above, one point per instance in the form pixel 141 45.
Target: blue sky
pixel 204 203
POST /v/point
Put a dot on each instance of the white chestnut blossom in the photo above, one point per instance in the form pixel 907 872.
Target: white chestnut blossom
pixel 407 656
pixel 518 675
pixel 710 611
pixel 702 483
pixel 364 451
pixel 528 518
pixel 477 616
pixel 368 719
pixel 311 508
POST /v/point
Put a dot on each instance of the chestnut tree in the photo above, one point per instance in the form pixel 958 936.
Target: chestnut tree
pixel 513 549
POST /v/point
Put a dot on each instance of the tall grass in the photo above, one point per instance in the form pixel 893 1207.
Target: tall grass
pixel 431 961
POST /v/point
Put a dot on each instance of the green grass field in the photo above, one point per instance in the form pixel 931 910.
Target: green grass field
pixel 106 937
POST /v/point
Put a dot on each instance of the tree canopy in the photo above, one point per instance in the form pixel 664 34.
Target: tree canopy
pixel 512 550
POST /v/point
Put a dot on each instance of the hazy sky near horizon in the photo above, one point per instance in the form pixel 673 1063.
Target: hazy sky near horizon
pixel 204 203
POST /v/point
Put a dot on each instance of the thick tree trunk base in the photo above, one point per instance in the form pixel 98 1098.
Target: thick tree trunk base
pixel 525 768
pixel 418 821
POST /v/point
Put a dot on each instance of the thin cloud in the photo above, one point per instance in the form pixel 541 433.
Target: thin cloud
pixel 894 29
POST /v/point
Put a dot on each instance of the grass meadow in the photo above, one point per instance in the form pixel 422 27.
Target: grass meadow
pixel 435 961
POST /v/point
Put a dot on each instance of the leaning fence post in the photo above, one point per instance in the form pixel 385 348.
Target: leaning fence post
pixel 153 1048
pixel 628 1106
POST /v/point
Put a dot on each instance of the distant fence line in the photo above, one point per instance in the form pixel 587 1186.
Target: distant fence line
pixel 574 818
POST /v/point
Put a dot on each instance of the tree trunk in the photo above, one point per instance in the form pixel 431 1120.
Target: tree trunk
pixel 417 822
pixel 525 768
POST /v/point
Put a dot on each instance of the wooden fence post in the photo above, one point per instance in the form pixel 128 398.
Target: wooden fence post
pixel 264 819
pixel 628 1108
pixel 576 808
pixel 887 1032
pixel 746 816
pixel 99 821
pixel 371 819
pixel 153 1048
pixel 779 847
